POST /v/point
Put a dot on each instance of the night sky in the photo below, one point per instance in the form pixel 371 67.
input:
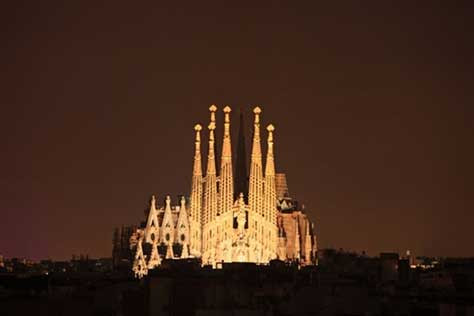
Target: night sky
pixel 372 104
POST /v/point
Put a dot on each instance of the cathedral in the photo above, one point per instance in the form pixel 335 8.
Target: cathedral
pixel 242 218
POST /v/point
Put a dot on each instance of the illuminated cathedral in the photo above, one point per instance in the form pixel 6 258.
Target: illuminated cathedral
pixel 227 218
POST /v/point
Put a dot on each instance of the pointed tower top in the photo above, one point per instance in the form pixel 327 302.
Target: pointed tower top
pixel 197 128
pixel 168 202
pixel 227 111
pixel 213 110
pixel 212 124
pixel 152 203
pixel 257 112
pixel 270 129
pixel 227 122
pixel 183 202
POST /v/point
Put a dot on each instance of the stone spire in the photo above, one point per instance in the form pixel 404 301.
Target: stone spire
pixel 256 178
pixel 210 189
pixel 270 203
pixel 241 184
pixel 226 184
pixel 182 228
pixel 152 227
pixel 196 195
pixel 167 229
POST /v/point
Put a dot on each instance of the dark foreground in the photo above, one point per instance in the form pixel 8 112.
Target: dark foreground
pixel 355 287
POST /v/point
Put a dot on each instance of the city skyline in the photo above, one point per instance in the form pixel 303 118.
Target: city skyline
pixel 372 108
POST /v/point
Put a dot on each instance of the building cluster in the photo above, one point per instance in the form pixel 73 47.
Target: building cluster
pixel 343 283
pixel 246 218
pixel 78 263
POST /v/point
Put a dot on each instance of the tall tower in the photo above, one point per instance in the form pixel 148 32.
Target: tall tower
pixel 210 196
pixel 241 184
pixel 210 189
pixel 226 186
pixel 196 196
pixel 270 202
pixel 256 177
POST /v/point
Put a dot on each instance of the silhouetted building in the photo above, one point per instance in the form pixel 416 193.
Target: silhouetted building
pixel 122 254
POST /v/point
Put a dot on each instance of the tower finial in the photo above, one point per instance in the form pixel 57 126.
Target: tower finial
pixel 227 111
pixel 212 124
pixel 257 112
pixel 198 129
pixel 213 109
pixel 270 129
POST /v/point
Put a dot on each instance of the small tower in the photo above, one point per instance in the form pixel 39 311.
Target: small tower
pixel 155 259
pixel 167 229
pixel 182 228
pixel 152 227
pixel 139 264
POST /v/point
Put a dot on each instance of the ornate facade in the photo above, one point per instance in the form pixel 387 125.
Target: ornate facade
pixel 218 225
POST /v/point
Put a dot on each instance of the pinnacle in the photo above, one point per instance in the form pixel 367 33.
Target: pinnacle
pixel 227 109
pixel 270 128
pixel 257 110
pixel 213 108
pixel 197 127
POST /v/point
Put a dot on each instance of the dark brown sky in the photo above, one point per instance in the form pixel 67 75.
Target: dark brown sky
pixel 372 106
